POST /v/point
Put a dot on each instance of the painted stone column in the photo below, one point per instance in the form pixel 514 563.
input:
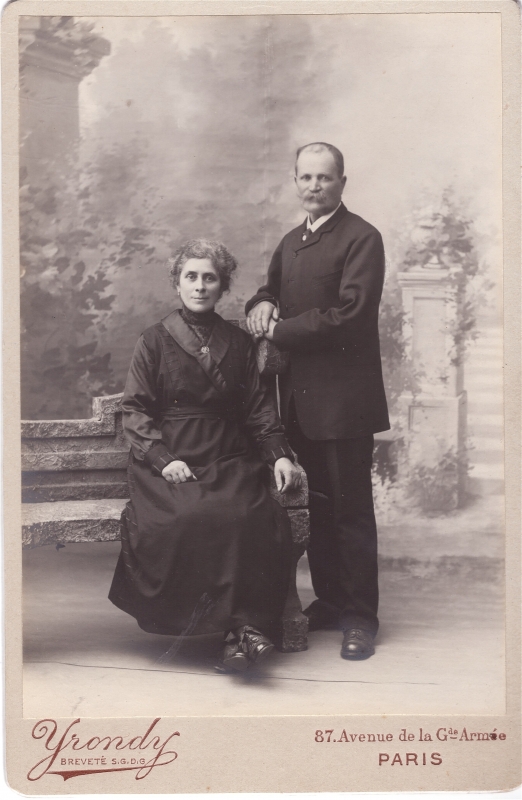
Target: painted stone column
pixel 56 54
pixel 435 409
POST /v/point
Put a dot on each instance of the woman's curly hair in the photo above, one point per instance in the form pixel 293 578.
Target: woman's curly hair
pixel 224 262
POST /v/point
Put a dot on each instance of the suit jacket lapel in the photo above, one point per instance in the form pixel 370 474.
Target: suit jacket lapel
pixel 325 228
pixel 209 357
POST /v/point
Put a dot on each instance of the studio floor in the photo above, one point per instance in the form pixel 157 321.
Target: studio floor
pixel 440 649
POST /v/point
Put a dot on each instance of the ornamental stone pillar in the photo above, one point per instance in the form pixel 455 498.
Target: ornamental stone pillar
pixel 56 53
pixel 435 407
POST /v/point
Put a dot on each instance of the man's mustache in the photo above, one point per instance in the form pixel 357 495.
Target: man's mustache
pixel 319 196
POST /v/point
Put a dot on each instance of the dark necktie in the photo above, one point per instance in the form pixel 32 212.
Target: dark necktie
pixel 306 235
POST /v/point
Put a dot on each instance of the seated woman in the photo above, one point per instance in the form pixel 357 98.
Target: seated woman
pixel 204 546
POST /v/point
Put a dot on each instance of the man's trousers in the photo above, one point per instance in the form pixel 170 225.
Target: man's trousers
pixel 342 553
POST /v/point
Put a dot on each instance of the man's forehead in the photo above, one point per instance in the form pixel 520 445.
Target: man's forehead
pixel 321 159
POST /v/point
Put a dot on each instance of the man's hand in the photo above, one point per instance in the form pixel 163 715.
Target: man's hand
pixel 270 332
pixel 178 472
pixel 286 475
pixel 259 318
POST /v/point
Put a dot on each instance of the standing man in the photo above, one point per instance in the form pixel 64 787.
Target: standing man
pixel 321 303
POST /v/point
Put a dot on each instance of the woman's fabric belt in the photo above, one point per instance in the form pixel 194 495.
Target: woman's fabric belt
pixel 186 412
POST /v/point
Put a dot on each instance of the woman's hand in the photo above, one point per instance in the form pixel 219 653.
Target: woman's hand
pixel 259 318
pixel 178 472
pixel 286 475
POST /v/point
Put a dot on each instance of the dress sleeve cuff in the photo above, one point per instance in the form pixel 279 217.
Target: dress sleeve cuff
pixel 274 448
pixel 158 457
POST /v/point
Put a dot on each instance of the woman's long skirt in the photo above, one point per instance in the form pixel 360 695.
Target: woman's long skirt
pixel 207 555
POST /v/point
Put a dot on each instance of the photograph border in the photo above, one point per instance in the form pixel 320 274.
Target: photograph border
pixel 272 754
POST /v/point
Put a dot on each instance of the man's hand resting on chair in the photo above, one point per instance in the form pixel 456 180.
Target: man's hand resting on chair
pixel 260 317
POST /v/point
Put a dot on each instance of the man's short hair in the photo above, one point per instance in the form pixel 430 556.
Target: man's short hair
pixel 317 147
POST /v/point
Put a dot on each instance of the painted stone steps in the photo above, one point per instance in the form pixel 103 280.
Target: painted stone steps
pixel 483 380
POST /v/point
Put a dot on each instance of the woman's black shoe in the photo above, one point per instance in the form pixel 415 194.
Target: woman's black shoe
pixel 255 644
pixel 234 657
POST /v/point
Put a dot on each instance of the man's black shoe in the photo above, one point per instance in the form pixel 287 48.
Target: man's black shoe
pixel 322 616
pixel 357 644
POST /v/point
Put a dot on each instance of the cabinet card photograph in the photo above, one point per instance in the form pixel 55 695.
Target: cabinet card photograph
pixel 262 442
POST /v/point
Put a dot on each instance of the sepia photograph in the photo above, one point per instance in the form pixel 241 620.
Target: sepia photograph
pixel 262 387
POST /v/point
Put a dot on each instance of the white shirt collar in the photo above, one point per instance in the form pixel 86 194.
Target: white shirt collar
pixel 318 222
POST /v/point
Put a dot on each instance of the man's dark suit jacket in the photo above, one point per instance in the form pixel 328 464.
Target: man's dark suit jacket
pixel 328 289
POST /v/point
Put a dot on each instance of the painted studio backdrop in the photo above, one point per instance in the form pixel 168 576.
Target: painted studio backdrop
pixel 139 133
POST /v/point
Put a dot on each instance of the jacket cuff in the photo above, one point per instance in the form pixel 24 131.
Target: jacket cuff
pixel 278 337
pixel 259 298
pixel 275 447
pixel 157 458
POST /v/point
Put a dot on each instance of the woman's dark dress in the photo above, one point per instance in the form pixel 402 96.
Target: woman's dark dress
pixel 213 554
